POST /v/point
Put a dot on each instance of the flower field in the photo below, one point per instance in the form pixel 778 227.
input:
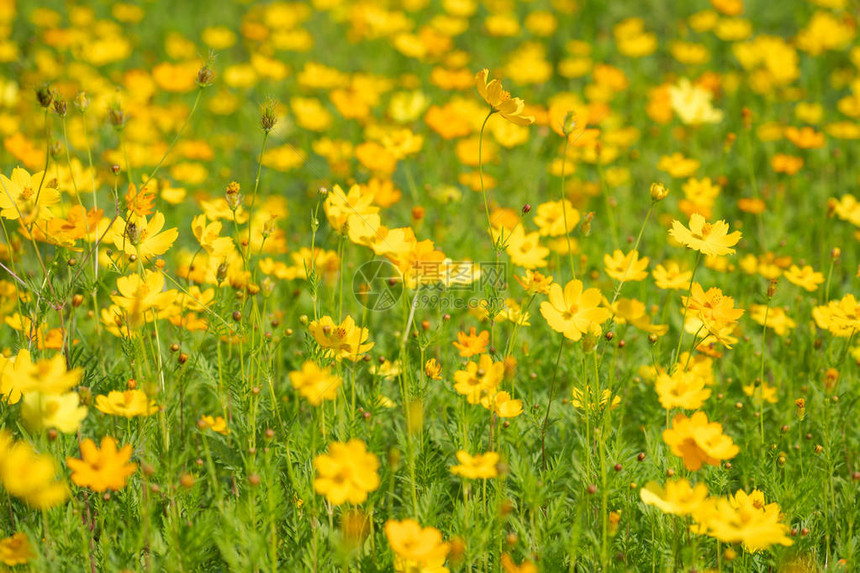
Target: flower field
pixel 429 286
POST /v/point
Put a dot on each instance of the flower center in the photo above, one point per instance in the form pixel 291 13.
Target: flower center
pixel 706 230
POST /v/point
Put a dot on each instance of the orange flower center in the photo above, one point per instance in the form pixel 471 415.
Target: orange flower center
pixel 706 230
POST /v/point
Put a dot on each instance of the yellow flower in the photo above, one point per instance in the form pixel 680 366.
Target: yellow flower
pixel 777 319
pixel 62 411
pixel 508 565
pixel 216 424
pixel 692 103
pixel 633 312
pixel 699 442
pixel 315 384
pixel 715 310
pixel 550 218
pixel 678 497
pixel 524 248
pixel 500 100
pixel 128 404
pixel 29 476
pixel 709 239
pixel 759 392
pixel 102 469
pixel 683 389
pixel 805 277
pixel 670 276
pixel 143 238
pixel 20 375
pixel 626 268
pixel 347 473
pixel 534 282
pixel 339 206
pixel 502 404
pixel 208 235
pixel 479 378
pixel 138 296
pixel 479 466
pixel 16 550
pixel 27 196
pixel 677 165
pixel 573 311
pixel 416 549
pixel 745 518
pixel 840 317
pixel 345 340
pixel 433 370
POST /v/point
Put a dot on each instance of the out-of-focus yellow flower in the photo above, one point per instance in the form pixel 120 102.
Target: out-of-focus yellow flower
pixel 315 384
pixel 479 466
pixel 127 404
pixel 698 441
pixel 347 473
pixel 62 412
pixel 416 548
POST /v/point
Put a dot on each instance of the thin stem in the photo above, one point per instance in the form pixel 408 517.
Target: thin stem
pixel 481 175
pixel 549 403
pixel 686 306
pixel 564 207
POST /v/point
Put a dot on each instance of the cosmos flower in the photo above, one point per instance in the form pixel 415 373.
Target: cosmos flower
pixel 416 548
pixel 347 473
pixel 314 383
pixel 683 389
pixel 102 469
pixel 678 497
pixel 572 310
pixel 27 196
pixel 16 550
pixel 49 376
pixel 344 340
pixel 62 412
pixel 472 344
pixel 698 441
pixel 501 101
pixel 747 519
pixel 479 466
pixel 709 239
pixel 215 423
pixel 128 404
pixel 479 378
pixel 28 475
pixel 692 103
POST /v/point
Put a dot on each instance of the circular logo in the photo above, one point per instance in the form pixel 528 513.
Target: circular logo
pixel 377 285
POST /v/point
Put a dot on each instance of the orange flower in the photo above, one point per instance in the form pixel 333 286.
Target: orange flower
pixel 103 469
pixel 142 202
pixel 472 344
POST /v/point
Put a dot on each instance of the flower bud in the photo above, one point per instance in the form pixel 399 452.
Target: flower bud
pixel 45 95
pixel 205 76
pixel 117 117
pixel 658 191
pixel 569 123
pixel 268 118
pixel 81 102
pixel 61 107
